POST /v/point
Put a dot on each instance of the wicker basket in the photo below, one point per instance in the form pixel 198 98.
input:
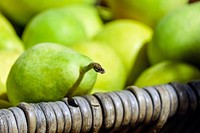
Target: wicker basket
pixel 172 107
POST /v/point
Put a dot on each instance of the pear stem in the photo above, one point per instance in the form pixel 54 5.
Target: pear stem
pixel 95 66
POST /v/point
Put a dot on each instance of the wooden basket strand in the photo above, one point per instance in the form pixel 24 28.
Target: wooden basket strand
pixel 164 108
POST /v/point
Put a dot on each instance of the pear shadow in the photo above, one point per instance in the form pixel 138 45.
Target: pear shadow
pixel 140 64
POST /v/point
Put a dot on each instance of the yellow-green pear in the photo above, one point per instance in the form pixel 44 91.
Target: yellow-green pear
pixel 128 38
pixel 7 59
pixel 49 72
pixel 21 11
pixel 8 36
pixel 11 47
pixel 167 71
pixel 147 11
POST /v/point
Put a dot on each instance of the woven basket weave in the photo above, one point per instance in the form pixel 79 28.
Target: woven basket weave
pixel 167 108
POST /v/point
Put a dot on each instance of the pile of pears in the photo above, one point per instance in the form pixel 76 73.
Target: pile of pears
pixel 53 50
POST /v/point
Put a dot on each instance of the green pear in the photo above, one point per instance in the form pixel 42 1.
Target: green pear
pixel 54 25
pixel 127 38
pixel 8 37
pixel 177 39
pixel 22 11
pixel 88 15
pixel 115 77
pixel 49 72
pixel 167 71
pixel 146 11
